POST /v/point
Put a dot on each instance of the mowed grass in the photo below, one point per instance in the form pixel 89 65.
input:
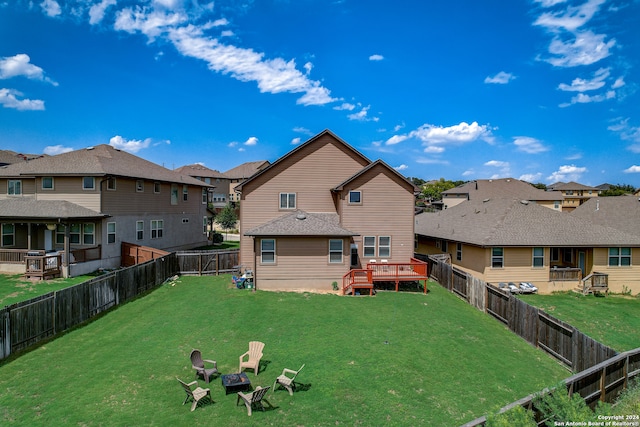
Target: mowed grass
pixel 393 359
pixel 613 320
pixel 15 288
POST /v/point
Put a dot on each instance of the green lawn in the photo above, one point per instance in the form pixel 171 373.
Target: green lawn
pixel 613 320
pixel 15 288
pixel 395 359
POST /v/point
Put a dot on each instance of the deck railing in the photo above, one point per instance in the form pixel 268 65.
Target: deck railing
pixel 43 266
pixel 565 274
pixel 14 256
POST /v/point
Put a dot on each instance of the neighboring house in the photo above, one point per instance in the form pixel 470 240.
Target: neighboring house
pixel 8 157
pixel 502 240
pixel 574 194
pixel 320 210
pixel 241 173
pixel 482 189
pixel 95 199
pixel 220 183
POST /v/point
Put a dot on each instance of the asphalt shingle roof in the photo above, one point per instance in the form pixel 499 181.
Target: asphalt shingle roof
pixel 301 223
pixel 246 170
pixel 101 160
pixel 505 187
pixel 201 171
pixel 508 222
pixel 620 212
pixel 30 208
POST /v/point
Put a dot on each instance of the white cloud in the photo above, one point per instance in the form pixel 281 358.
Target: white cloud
pixel 345 106
pixel 97 11
pixel 627 133
pixel 584 49
pixel 296 141
pixel 20 65
pixel 433 149
pixel 9 99
pixel 232 144
pixel 549 3
pixel 530 177
pixel 271 75
pixel 220 22
pixel 497 164
pixel 618 83
pixel 500 78
pixel 376 58
pixel 567 173
pixel 51 7
pixel 251 141
pixel 150 23
pixel 396 128
pixel 430 161
pixel 469 172
pixel 632 169
pixel 303 130
pixel 583 85
pixel 401 167
pixel 439 136
pixel 227 33
pixel 132 145
pixel 570 19
pixel 529 145
pixel 52 150
pixel 582 98
pixel 362 115
pixel 396 139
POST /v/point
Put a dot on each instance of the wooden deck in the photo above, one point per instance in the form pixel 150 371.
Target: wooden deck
pixel 364 279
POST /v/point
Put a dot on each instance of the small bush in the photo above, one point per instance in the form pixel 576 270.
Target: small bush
pixel 558 407
pixel 217 238
pixel 516 416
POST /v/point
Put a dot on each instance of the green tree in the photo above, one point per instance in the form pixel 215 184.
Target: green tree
pixel 618 190
pixel 433 190
pixel 227 218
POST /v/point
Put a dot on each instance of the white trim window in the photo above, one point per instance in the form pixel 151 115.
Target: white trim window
pixel 88 233
pixel 268 251
pixel 111 184
pixel 47 183
pixel 538 257
pixel 355 197
pixel 458 251
pixel 14 187
pixel 185 193
pixel 88 183
pixel 205 196
pixel 336 251
pixel 8 235
pixel 205 225
pixel 139 185
pixel 369 246
pixel 497 257
pixel 111 232
pixel 74 234
pixel 619 257
pixel 139 230
pixel 384 246
pixel 174 194
pixel 287 200
pixel 157 228
pixel 156 187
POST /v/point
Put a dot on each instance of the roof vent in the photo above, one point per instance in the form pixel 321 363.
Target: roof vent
pixel 89 148
pixel 301 216
pixel 524 202
pixel 485 200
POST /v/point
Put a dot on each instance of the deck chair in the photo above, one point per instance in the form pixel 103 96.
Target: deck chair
pixel 198 394
pixel 285 381
pixel 254 398
pixel 254 355
pixel 198 364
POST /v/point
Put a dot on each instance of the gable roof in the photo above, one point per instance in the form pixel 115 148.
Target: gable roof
pixel 246 169
pixel 505 222
pixel 572 186
pixel 301 223
pixel 30 208
pixel 301 147
pixel 8 157
pixel 620 212
pixel 504 187
pixel 101 160
pixel 197 170
pixel 410 186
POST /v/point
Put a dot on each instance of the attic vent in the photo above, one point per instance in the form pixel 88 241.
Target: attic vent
pixel 485 200
pixel 524 202
pixel 89 148
pixel 301 216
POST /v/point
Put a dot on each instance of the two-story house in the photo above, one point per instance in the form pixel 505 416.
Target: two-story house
pixel 220 183
pixel 321 210
pixel 93 200
pixel 482 189
pixel 242 172
pixel 574 194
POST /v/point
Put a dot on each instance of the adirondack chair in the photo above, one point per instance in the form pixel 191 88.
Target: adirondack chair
pixel 254 355
pixel 254 398
pixel 198 394
pixel 198 364
pixel 286 381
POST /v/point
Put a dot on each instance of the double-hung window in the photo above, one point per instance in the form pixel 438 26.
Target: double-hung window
pixel 335 250
pixel 459 251
pixel 157 226
pixel 47 183
pixel 369 246
pixel 88 183
pixel 619 257
pixel 384 246
pixel 111 232
pixel 14 187
pixel 8 235
pixel 497 257
pixel 268 251
pixel 538 257
pixel 287 200
pixel 174 194
pixel 88 233
pixel 185 193
pixel 139 230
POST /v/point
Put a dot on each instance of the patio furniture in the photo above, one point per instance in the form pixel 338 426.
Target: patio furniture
pixel 254 355
pixel 238 282
pixel 254 398
pixel 198 394
pixel 235 382
pixel 198 364
pixel 285 381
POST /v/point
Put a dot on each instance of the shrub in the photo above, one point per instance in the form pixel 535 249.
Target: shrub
pixel 217 237
pixel 558 407
pixel 516 416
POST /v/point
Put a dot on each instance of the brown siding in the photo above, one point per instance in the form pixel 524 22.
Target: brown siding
pixel 619 277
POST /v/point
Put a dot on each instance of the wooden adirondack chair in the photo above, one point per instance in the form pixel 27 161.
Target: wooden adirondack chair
pixel 254 398
pixel 198 394
pixel 254 355
pixel 286 381
pixel 198 364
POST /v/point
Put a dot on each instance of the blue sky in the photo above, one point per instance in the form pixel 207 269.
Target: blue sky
pixel 540 90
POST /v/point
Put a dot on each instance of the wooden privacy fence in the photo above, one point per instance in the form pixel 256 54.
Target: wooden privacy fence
pixel 205 263
pixel 27 323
